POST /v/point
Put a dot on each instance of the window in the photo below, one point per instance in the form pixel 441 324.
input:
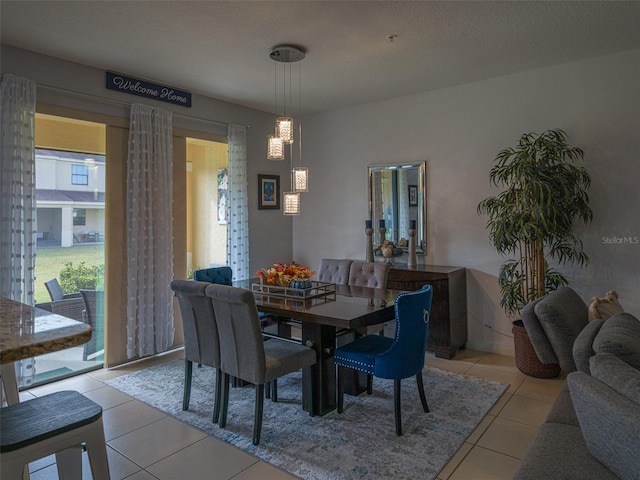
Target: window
pixel 79 175
pixel 79 216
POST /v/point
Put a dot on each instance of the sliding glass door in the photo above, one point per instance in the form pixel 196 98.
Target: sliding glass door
pixel 70 255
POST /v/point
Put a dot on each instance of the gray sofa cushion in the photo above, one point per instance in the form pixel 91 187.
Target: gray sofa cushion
pixel 620 376
pixel 583 346
pixel 562 410
pixel 558 452
pixel 538 338
pixel 562 314
pixel 610 424
pixel 620 335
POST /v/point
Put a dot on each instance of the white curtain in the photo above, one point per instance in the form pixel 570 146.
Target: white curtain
pixel 238 212
pixel 17 189
pixel 150 327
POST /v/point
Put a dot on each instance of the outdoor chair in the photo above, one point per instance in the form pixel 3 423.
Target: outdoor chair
pixel 94 316
pixel 246 356
pixel 392 358
pixel 68 305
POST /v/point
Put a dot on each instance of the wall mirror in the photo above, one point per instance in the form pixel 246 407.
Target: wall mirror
pixel 397 195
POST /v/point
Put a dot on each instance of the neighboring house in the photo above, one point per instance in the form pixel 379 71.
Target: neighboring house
pixel 70 197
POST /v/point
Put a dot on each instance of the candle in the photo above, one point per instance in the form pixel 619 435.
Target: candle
pixel 381 223
pixel 367 224
pixel 412 224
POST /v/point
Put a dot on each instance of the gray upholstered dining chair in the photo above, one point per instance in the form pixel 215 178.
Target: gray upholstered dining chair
pixel 334 270
pixel 372 275
pixel 368 274
pixel 244 354
pixel 201 341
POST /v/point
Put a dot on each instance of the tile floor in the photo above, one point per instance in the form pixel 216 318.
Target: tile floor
pixel 145 444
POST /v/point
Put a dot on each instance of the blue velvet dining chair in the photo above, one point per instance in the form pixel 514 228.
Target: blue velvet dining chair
pixel 218 275
pixel 392 358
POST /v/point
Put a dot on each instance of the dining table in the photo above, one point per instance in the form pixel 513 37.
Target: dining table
pixel 322 317
pixel 27 331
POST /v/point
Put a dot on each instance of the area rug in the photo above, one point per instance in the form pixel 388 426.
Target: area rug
pixel 359 444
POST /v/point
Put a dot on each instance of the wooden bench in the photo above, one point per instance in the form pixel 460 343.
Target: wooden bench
pixel 56 423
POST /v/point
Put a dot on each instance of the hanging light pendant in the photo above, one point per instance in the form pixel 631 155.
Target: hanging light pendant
pixel 284 129
pixel 275 148
pixel 300 179
pixel 291 201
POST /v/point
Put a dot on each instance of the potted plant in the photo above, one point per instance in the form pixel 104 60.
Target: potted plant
pixel 533 218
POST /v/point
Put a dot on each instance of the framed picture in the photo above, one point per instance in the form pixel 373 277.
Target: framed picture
pixel 269 192
pixel 413 195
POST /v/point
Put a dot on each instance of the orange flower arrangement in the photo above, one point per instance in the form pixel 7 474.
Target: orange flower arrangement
pixel 282 273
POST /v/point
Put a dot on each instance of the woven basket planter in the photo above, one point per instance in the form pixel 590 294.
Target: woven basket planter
pixel 526 359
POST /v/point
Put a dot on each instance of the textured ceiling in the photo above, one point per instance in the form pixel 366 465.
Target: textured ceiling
pixel 220 48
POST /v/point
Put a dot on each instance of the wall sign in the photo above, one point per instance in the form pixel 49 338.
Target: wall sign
pixel 122 83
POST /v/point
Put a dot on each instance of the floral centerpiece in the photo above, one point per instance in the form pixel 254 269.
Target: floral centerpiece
pixel 285 275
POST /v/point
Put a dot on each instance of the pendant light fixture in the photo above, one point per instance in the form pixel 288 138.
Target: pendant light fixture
pixel 284 127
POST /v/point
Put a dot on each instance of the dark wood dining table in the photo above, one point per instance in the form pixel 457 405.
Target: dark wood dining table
pixel 321 318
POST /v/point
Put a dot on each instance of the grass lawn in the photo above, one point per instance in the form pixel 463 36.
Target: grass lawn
pixel 50 260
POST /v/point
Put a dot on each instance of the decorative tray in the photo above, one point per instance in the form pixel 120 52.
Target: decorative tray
pixel 317 289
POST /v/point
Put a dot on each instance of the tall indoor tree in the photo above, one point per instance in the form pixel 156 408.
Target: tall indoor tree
pixel 533 218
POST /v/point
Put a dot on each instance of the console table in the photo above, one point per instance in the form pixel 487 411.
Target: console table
pixel 448 324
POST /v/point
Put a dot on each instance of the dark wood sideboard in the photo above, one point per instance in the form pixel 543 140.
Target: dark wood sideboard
pixel 448 324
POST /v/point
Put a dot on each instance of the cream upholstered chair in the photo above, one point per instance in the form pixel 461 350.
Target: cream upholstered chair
pixel 244 354
pixel 372 275
pixel 201 341
pixel 334 271
pixel 368 274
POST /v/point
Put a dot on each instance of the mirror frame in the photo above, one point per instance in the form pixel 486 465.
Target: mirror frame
pixel 421 224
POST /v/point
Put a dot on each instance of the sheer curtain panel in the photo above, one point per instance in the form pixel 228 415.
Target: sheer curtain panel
pixel 150 327
pixel 238 212
pixel 18 189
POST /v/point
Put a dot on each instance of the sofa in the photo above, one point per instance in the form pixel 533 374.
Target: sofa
pixel 593 428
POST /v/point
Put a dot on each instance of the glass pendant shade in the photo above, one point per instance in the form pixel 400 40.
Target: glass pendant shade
pixel 284 129
pixel 300 179
pixel 275 148
pixel 291 202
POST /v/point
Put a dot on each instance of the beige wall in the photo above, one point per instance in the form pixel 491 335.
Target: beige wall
pixel 206 239
pixel 459 131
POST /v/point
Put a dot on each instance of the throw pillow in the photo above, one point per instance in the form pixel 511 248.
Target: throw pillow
pixel 610 424
pixel 605 307
pixel 620 335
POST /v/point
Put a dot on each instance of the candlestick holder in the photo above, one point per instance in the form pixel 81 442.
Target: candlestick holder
pixel 412 259
pixel 369 247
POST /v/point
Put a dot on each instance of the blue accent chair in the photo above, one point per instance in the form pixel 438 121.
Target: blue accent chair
pixel 219 275
pixel 392 358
